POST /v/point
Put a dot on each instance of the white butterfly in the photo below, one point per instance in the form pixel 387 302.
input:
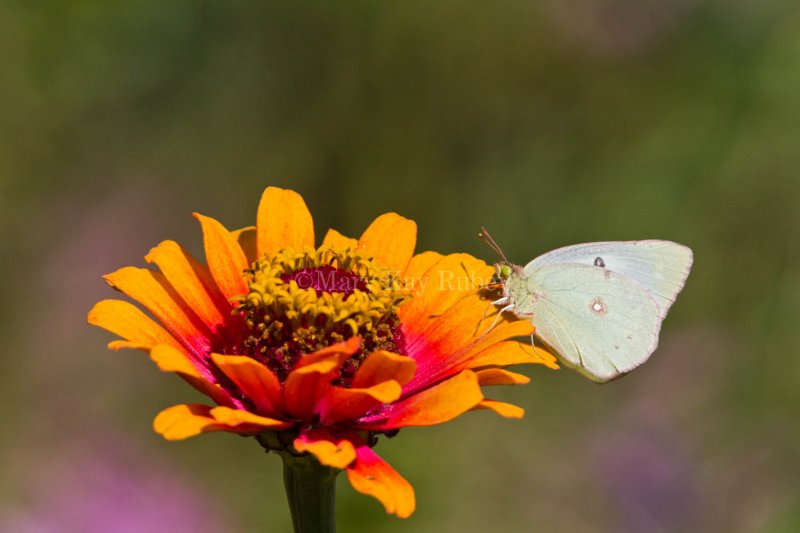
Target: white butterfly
pixel 598 306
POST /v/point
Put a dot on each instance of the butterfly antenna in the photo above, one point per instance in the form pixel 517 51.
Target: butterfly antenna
pixel 490 242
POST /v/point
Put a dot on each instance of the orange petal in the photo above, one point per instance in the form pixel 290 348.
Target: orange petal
pixel 371 475
pixel 246 237
pixel 170 359
pixel 513 353
pixel 183 421
pixel 337 353
pixel 341 404
pixel 420 263
pixel 383 366
pixel 334 239
pixel 245 422
pixel 283 221
pixel 329 450
pixel 435 405
pixel 305 387
pixel 120 345
pixel 390 240
pixel 154 292
pixel 226 259
pixel 445 283
pixel 190 279
pixel 254 379
pixel 414 278
pixel 451 341
pixel 311 377
pixel 130 323
pixel 506 410
pixel 504 330
pixel 498 376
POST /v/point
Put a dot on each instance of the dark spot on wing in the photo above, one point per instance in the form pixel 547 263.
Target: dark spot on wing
pixel 598 262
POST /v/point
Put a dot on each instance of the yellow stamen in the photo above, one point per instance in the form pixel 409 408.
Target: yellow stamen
pixel 301 301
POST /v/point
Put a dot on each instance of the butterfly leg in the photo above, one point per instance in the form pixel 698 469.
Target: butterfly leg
pixel 501 301
pixel 509 307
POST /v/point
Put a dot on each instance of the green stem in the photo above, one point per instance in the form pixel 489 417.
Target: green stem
pixel 311 491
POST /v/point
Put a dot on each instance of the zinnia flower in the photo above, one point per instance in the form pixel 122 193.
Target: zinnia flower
pixel 318 350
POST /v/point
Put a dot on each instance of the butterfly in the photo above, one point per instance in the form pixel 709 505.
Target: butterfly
pixel 597 306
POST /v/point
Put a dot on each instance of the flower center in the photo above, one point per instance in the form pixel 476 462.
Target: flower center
pixel 302 301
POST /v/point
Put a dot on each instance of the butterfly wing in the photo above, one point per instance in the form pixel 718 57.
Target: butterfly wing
pixel 598 322
pixel 661 267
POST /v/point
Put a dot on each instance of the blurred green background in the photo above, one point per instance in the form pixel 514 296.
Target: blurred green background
pixel 551 123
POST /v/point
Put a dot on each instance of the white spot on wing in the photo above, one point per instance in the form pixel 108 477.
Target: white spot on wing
pixel 598 306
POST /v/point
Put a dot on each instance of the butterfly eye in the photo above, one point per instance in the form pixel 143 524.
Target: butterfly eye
pixel 504 272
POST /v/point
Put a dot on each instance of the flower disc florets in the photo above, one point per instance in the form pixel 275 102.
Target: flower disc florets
pixel 302 301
